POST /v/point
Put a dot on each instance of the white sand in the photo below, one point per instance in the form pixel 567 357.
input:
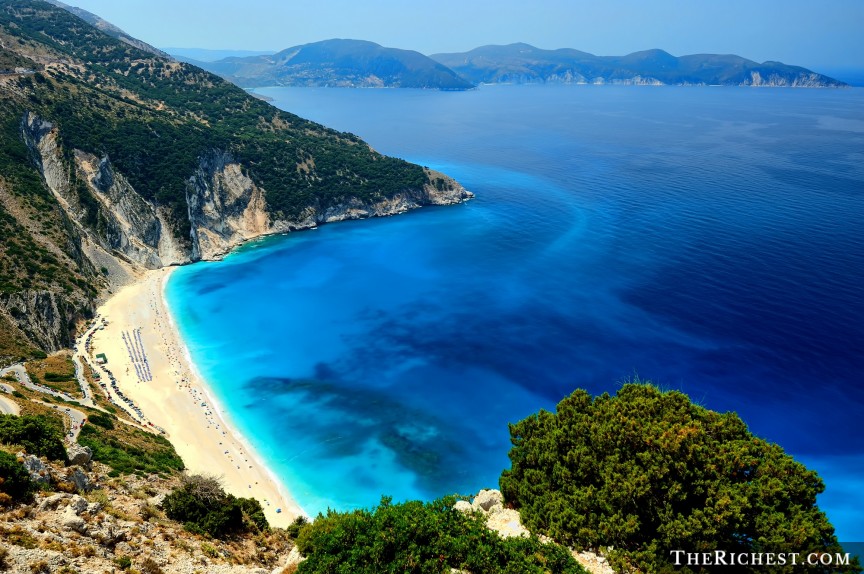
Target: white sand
pixel 172 400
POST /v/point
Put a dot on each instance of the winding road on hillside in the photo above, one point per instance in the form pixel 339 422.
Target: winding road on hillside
pixel 7 406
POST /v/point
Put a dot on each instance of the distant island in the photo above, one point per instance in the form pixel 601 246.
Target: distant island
pixel 362 64
pixel 338 63
pixel 523 63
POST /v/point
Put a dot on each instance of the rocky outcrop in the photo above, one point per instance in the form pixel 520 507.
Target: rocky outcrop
pixel 804 79
pixel 226 208
pixel 507 523
pixel 76 533
pixel 114 228
pixel 41 138
pixel 131 224
pixel 78 455
pixel 40 473
pixel 45 317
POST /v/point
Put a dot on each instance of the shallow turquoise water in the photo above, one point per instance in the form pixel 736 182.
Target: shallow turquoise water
pixel 707 239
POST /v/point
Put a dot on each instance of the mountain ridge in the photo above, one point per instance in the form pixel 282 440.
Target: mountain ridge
pixel 524 63
pixel 339 63
pixel 114 159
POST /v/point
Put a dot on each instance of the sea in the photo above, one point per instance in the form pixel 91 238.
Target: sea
pixel 708 239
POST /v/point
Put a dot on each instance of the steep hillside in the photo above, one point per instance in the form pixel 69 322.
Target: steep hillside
pixel 115 159
pixel 523 63
pixel 340 63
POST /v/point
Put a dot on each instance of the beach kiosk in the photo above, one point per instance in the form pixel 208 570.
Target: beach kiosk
pixel 101 358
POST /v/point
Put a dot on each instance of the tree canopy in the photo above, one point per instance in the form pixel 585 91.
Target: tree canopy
pixel 648 472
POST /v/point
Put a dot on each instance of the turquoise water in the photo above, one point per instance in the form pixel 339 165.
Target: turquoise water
pixel 707 239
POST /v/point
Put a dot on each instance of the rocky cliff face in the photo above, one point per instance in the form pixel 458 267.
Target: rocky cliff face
pixel 46 318
pixel 226 208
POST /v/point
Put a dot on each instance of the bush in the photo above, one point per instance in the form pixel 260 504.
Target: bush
pixel 203 507
pixel 417 537
pixel 649 472
pixel 38 435
pixel 128 450
pixel 15 481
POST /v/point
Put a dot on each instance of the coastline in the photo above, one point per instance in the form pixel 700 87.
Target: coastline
pixel 178 399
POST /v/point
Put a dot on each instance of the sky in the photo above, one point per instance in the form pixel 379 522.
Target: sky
pixel 811 33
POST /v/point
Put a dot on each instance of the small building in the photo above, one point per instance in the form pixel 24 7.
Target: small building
pixel 101 358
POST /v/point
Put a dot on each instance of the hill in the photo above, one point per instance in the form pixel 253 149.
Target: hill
pixel 115 159
pixel 523 63
pixel 339 63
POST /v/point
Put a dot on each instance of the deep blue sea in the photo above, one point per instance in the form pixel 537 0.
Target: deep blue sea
pixel 708 239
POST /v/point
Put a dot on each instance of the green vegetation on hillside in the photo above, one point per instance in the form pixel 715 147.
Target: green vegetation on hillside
pixel 37 435
pixel 420 537
pixel 649 472
pixel 203 507
pixel 155 119
pixel 128 450
pixel 15 483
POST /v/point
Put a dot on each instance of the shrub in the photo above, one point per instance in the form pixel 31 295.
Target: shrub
pixel 649 472
pixel 38 435
pixel 203 507
pixel 150 566
pixel 15 481
pixel 417 537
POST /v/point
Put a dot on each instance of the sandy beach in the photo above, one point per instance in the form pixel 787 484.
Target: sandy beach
pixel 177 399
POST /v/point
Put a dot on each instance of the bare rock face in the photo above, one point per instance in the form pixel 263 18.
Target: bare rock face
pixel 39 472
pixel 463 506
pixel 80 480
pixel 71 519
pixel 79 455
pixel 53 501
pixel 225 207
pixel 486 500
pixel 44 316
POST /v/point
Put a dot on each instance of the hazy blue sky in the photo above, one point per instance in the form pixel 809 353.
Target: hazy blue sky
pixel 811 33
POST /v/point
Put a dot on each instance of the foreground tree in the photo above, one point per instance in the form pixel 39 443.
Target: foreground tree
pixel 648 472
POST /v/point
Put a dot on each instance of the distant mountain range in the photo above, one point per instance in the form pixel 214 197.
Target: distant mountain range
pixel 339 63
pixel 357 63
pixel 523 63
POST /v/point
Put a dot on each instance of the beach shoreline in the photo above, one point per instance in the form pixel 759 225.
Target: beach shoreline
pixel 178 399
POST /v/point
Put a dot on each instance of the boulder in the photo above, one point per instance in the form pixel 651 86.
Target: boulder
pixel 39 473
pixel 77 504
pixel 463 506
pixel 80 480
pixel 507 523
pixel 72 521
pixel 486 500
pixel 157 500
pixel 53 501
pixel 79 455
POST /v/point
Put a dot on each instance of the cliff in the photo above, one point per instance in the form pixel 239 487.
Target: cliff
pixel 116 159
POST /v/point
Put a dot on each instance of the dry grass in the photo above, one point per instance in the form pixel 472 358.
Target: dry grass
pixel 57 372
